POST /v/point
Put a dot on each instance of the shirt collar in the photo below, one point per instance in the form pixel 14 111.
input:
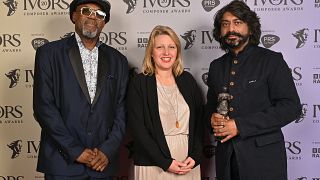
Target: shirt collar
pixel 79 41
pixel 245 51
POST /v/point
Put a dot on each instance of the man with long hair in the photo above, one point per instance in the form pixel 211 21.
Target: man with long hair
pixel 262 99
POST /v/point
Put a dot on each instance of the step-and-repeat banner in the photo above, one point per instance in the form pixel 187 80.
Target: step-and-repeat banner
pixel 289 26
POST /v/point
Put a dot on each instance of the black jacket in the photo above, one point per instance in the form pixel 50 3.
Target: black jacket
pixel 69 121
pixel 264 99
pixel 150 146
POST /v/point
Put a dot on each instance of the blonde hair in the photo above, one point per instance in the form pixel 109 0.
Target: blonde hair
pixel 148 66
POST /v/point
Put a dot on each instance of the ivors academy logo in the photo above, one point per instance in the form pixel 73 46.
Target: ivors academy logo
pixel 301 35
pixel 15 146
pixel 12 6
pixel 131 5
pixel 13 76
pixel 189 37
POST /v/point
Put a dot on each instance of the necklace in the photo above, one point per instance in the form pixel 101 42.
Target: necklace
pixel 164 95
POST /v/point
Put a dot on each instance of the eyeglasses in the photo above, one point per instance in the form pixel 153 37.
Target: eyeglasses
pixel 86 11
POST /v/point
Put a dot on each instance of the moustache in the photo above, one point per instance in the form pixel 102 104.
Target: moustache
pixel 232 34
pixel 90 22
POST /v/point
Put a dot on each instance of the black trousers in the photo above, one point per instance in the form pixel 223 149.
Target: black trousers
pixel 80 177
pixel 234 168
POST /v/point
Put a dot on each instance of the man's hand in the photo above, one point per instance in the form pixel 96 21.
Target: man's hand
pixel 86 156
pixel 223 126
pixel 100 161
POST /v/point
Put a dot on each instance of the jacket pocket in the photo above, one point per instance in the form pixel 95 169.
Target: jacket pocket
pixel 253 82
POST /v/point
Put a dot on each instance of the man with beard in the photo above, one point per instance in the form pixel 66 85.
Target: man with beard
pixel 78 99
pixel 262 99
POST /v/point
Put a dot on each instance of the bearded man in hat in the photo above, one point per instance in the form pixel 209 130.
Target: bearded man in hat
pixel 78 99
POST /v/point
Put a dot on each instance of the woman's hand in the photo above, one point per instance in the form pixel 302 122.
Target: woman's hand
pixel 178 167
pixel 182 167
pixel 189 165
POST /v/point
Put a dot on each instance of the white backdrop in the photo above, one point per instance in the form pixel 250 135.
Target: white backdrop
pixel 289 26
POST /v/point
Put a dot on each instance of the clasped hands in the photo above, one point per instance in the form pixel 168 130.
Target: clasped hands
pixel 182 167
pixel 223 127
pixel 95 159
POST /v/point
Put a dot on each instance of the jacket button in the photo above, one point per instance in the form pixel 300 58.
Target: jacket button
pixel 235 61
pixel 233 72
pixel 231 83
pixel 231 109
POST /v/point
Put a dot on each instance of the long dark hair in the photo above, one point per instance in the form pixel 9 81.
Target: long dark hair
pixel 243 12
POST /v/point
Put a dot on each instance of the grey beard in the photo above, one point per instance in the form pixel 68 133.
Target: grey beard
pixel 89 34
pixel 234 44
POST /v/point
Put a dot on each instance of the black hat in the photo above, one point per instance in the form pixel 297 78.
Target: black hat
pixel 104 5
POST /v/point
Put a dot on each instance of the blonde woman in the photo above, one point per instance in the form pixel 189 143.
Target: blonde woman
pixel 165 113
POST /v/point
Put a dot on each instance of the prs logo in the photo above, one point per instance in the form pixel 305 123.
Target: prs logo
pixel 208 5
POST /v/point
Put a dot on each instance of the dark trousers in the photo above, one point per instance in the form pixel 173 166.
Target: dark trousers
pixel 80 177
pixel 234 168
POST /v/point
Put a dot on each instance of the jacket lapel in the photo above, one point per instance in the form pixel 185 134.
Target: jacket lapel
pixel 102 71
pixel 75 59
pixel 185 92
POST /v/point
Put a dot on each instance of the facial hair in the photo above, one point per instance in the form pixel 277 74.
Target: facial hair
pixel 87 32
pixel 234 43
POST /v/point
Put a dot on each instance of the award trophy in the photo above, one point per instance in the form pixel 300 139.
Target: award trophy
pixel 223 105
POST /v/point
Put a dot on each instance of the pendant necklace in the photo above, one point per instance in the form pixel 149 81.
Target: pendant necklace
pixel 164 95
